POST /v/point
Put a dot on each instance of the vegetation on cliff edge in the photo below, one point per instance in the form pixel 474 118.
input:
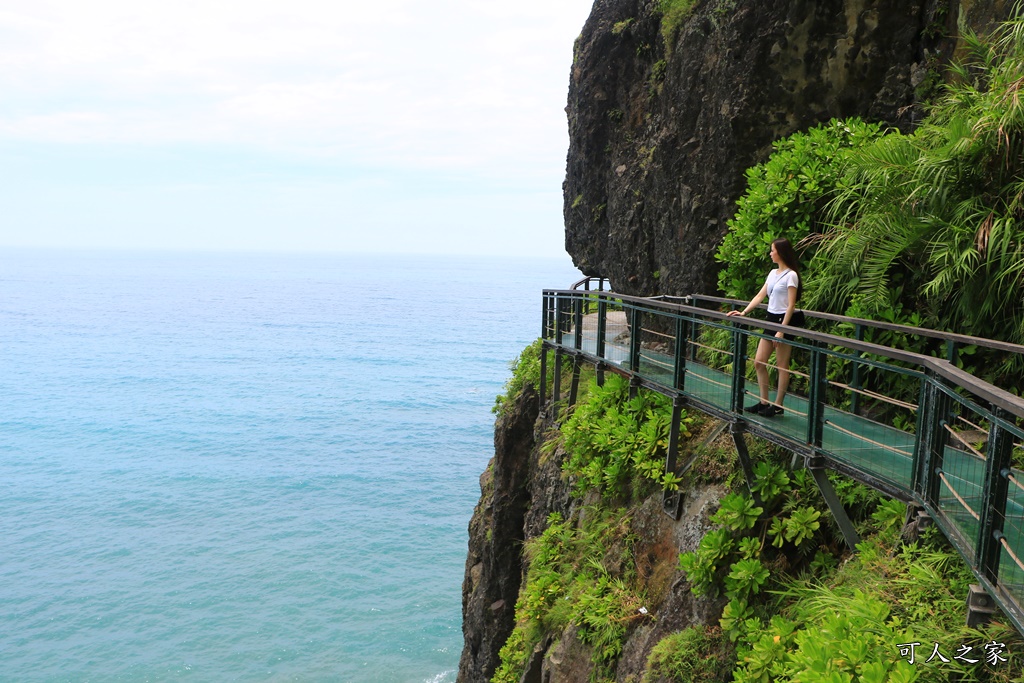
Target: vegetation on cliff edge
pixel 922 229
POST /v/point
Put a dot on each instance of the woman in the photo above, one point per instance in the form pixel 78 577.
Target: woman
pixel 783 288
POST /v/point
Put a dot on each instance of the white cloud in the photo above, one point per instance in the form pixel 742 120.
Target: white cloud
pixel 457 83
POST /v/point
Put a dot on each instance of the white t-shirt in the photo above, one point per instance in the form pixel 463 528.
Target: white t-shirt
pixel 779 281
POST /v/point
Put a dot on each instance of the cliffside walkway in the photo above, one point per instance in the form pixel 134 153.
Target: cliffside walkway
pixel 915 427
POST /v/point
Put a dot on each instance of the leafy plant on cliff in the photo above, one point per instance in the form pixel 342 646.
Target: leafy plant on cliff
pixel 923 229
pixel 617 443
pixel 526 371
pixel 941 212
pixel 757 546
pixel 786 197
pixel 850 628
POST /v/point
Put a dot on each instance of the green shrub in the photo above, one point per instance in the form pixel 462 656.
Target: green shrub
pixel 786 197
pixel 526 370
pixel 616 444
pixel 694 655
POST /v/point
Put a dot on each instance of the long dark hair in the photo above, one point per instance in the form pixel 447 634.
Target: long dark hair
pixel 788 255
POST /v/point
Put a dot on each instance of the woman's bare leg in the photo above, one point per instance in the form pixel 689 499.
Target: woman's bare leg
pixel 764 352
pixel 782 354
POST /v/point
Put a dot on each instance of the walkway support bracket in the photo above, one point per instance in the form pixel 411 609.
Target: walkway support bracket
pixel 816 465
pixel 557 382
pixel 736 429
pixel 543 373
pixel 574 388
pixel 672 501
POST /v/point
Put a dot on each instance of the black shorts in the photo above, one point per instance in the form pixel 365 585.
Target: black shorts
pixel 798 320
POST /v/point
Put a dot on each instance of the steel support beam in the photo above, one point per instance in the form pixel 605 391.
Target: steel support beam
pixel 835 506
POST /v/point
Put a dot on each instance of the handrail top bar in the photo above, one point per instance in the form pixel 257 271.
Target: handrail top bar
pixel 824 337
pixel 993 394
pixel 586 281
pixel 895 327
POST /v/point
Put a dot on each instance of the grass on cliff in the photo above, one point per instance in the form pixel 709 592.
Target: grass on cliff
pixel 526 371
pixel 850 626
pixel 854 624
pixel 797 615
pixel 673 14
pixel 581 573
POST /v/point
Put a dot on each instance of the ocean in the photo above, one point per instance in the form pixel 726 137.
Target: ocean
pixel 246 467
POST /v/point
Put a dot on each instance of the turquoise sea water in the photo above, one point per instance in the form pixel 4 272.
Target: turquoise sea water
pixel 246 467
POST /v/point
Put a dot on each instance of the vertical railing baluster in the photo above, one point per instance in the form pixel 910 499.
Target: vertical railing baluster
pixel 559 310
pixel 602 332
pixel 557 379
pixel 817 399
pixel 933 442
pixel 692 339
pixel 578 323
pixel 993 502
pixel 634 339
pixel 739 367
pixel 545 303
pixel 921 430
pixel 679 364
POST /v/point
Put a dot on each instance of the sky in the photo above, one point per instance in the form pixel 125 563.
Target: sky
pixel 266 125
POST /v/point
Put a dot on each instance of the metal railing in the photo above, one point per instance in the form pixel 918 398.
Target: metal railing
pixel 913 426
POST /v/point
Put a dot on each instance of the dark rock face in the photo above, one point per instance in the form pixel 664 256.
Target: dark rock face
pixel 494 564
pixel 520 488
pixel 660 135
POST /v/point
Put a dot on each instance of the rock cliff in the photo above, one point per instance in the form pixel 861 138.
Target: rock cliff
pixel 521 487
pixel 661 132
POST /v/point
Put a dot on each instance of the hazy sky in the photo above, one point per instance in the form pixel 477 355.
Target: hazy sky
pixel 273 125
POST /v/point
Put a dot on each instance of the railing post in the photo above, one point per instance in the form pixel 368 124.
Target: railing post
pixel 545 309
pixel 855 379
pixel 993 501
pixel 739 367
pixel 921 429
pixel 679 366
pixel 634 339
pixel 951 354
pixel 933 442
pixel 557 380
pixel 602 325
pixel 577 310
pixel 559 308
pixel 692 339
pixel 816 396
